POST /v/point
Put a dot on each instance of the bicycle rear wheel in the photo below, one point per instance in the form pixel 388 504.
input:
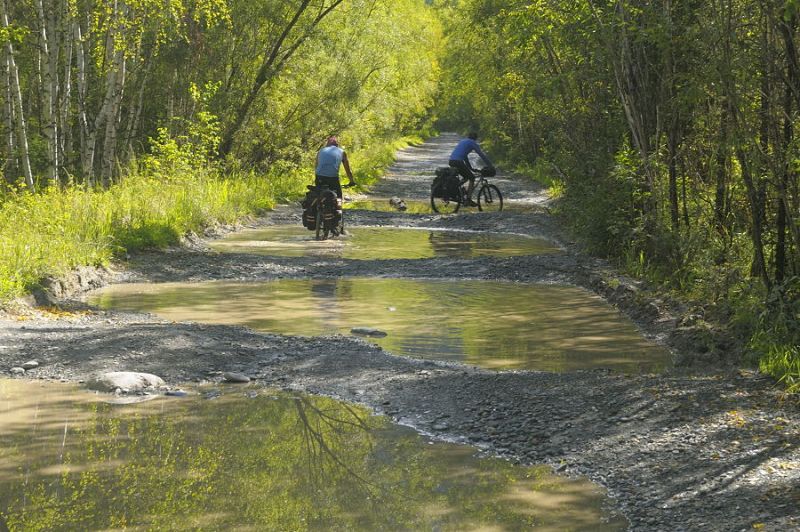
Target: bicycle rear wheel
pixel 446 205
pixel 321 234
pixel 490 199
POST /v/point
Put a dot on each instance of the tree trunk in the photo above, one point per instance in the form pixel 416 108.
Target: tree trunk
pixel 11 165
pixel 49 86
pixel 786 213
pixel 116 91
pixel 65 137
pixel 21 129
pixel 86 138
pixel 721 189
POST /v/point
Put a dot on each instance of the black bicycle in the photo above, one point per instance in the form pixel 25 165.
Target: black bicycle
pixel 448 194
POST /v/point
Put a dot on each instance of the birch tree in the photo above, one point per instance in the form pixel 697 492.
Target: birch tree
pixel 20 126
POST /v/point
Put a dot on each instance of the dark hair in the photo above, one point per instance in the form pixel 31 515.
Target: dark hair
pixel 473 135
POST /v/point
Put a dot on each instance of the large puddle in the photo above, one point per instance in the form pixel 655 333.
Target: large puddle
pixel 258 460
pixel 377 243
pixel 491 324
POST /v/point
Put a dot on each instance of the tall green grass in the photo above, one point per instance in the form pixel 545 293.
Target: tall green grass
pixel 54 231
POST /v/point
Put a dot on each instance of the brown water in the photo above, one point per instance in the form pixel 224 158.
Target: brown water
pixel 258 460
pixel 376 243
pixel 491 324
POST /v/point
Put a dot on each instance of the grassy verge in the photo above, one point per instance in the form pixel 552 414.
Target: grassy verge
pixel 49 233
pixel 765 325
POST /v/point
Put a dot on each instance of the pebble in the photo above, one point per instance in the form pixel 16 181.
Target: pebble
pixel 31 364
pixel 17 371
pixel 238 378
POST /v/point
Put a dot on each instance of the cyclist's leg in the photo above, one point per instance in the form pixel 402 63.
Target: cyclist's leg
pixel 466 176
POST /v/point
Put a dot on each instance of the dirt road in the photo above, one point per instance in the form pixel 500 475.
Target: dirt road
pixel 685 450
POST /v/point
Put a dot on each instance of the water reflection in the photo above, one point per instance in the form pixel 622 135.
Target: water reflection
pixel 273 462
pixel 491 324
pixel 419 206
pixel 377 243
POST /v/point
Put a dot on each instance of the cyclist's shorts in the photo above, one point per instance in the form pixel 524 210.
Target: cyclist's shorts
pixel 330 182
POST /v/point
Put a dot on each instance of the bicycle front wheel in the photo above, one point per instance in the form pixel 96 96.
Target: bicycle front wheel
pixel 446 205
pixel 490 199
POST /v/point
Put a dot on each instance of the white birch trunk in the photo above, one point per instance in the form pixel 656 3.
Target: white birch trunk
pixel 117 87
pixel 65 139
pixel 48 93
pixel 87 152
pixel 7 110
pixel 16 96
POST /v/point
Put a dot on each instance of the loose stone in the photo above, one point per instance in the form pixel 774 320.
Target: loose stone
pixel 238 378
pixel 17 371
pixel 368 331
pixel 129 381
pixel 31 364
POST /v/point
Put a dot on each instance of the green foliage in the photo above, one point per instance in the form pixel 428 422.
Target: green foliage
pixel 666 124
pixel 776 341
pixel 369 74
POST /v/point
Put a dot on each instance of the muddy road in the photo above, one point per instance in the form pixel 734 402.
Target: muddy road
pixel 702 446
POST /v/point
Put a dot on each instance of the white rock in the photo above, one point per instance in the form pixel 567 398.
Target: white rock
pixel 18 371
pixel 235 377
pixel 129 381
pixel 30 364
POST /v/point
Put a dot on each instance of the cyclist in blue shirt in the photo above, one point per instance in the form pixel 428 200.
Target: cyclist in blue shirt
pixel 327 164
pixel 459 160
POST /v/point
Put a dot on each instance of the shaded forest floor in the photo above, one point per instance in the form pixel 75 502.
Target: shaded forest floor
pixel 695 448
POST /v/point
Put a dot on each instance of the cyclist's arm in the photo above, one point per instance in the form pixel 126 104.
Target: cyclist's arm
pixel 347 170
pixel 483 156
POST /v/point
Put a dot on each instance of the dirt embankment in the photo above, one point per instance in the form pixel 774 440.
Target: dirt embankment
pixel 702 447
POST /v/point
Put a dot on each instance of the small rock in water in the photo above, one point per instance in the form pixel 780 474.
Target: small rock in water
pixel 235 377
pixel 398 204
pixel 17 371
pixel 368 331
pixel 212 394
pixel 30 364
pixel 176 393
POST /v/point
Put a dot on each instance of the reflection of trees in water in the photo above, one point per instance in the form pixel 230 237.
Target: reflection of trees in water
pixel 278 463
pixel 322 433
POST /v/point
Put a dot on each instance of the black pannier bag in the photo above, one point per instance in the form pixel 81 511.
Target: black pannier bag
pixel 446 183
pixel 331 208
pixel 309 204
